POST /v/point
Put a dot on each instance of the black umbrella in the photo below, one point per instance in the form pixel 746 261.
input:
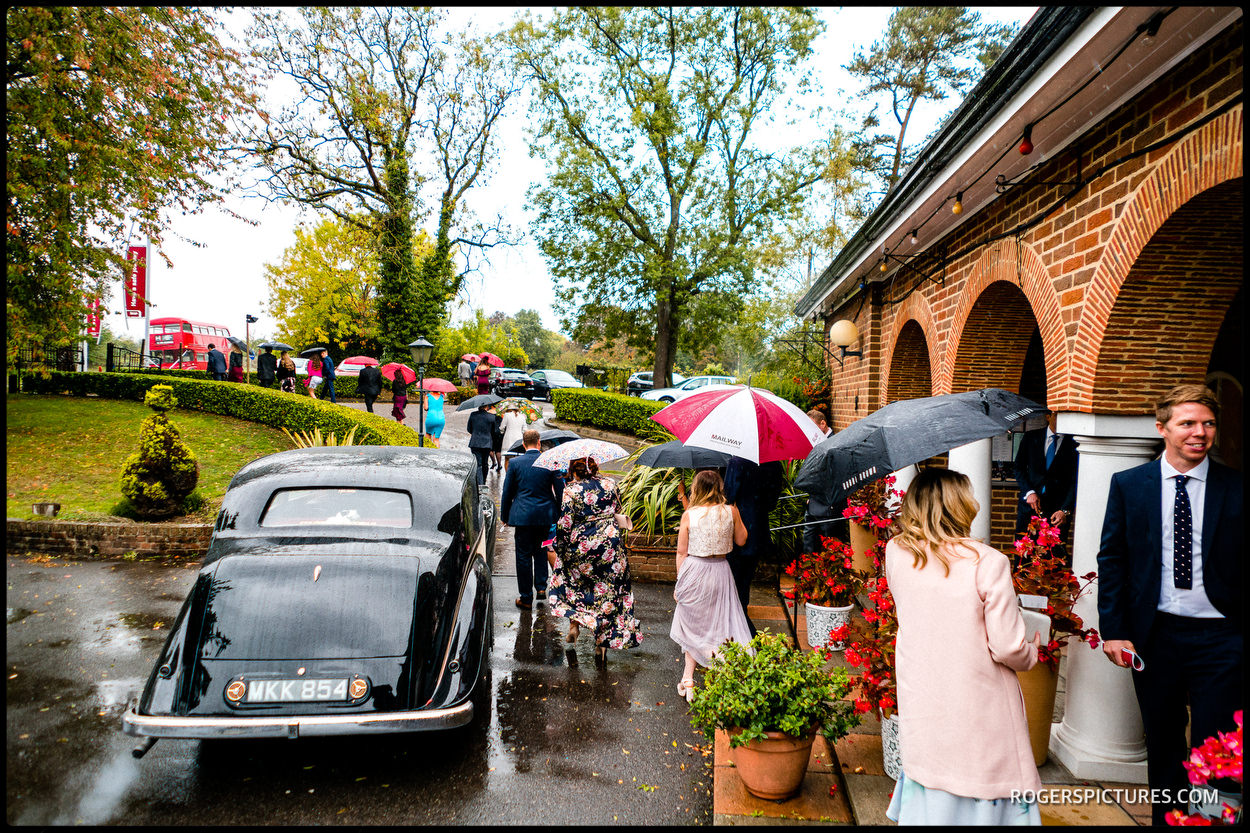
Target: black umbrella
pixel 275 345
pixel 547 439
pixel 906 432
pixel 674 455
pixel 311 351
pixel 478 401
pixel 238 342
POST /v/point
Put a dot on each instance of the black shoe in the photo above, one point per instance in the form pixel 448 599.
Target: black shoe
pixel 524 605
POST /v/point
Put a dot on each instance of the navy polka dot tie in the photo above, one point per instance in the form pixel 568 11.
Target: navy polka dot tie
pixel 1182 538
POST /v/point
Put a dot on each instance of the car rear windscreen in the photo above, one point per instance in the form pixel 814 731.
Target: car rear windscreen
pixel 328 506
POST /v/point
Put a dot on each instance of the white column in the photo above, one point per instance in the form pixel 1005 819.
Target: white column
pixel 973 460
pixel 1101 736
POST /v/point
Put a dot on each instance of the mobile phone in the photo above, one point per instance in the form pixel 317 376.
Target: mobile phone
pixel 1131 657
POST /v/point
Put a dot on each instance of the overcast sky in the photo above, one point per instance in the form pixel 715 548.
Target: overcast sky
pixel 223 279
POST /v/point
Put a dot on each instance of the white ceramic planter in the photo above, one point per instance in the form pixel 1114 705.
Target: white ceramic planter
pixel 821 620
pixel 893 759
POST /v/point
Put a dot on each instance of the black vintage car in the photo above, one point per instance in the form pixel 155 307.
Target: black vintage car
pixel 345 590
pixel 514 382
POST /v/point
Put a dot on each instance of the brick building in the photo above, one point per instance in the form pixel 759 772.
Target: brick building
pixel 1092 274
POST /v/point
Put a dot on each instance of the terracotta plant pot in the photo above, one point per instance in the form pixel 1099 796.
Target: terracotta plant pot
pixel 1038 686
pixel 773 768
pixel 863 539
pixel 821 620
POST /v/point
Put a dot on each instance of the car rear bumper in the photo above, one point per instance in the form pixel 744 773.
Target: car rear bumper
pixel 158 726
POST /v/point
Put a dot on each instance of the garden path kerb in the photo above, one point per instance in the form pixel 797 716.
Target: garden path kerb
pixel 90 540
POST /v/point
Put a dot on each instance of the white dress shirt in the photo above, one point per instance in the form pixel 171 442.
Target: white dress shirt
pixel 1192 602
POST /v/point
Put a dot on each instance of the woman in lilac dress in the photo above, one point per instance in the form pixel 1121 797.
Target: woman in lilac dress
pixel 708 611
pixel 590 582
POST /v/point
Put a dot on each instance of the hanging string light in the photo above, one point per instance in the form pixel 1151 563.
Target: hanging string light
pixel 1026 146
pixel 914 238
pixel 958 207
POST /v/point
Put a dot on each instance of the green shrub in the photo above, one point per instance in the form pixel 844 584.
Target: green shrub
pixel 267 406
pixel 159 477
pixel 613 411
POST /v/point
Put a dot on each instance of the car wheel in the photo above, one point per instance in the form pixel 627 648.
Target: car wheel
pixel 667 399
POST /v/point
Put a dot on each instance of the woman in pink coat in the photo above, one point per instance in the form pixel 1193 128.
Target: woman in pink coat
pixel 963 737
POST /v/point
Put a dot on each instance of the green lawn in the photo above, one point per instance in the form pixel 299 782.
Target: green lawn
pixel 70 450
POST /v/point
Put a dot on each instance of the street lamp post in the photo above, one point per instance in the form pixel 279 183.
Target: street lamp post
pixel 247 336
pixel 420 350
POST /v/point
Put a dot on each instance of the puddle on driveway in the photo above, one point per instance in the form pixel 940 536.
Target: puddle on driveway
pixel 17 614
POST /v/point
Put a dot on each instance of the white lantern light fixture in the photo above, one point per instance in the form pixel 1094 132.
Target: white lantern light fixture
pixel 842 335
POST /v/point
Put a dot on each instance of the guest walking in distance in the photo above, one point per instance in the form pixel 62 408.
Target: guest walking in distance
pixel 496 444
pixel 481 430
pixel 314 376
pixel 266 368
pixel 216 364
pixel 327 367
pixel 399 393
pixel 513 430
pixel 590 584
pixel 1170 590
pixel 962 730
pixel 530 502
pixel 435 419
pixel 286 373
pixel 236 363
pixel 483 377
pixel 464 372
pixel 1046 475
pixel 369 385
pixel 708 612
pixel 754 489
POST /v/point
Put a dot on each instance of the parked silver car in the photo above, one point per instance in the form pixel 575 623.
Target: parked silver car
pixel 687 387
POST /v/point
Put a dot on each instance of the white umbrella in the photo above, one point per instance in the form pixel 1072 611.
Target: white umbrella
pixel 746 422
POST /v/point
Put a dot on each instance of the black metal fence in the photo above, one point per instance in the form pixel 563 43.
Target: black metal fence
pixel 45 355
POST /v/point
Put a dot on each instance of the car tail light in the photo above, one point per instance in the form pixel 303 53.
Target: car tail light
pixel 235 691
pixel 357 689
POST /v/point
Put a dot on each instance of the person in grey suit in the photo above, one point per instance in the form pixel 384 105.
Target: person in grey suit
pixel 481 430
pixel 1170 591
pixel 530 504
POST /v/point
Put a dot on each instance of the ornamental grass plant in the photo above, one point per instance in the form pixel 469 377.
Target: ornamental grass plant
pixel 771 685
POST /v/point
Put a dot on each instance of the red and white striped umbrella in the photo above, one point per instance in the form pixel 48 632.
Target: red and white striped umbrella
pixel 746 422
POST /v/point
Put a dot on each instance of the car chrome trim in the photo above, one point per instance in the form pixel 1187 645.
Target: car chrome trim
pixel 158 726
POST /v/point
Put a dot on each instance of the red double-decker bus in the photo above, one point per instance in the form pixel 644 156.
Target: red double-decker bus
pixel 180 343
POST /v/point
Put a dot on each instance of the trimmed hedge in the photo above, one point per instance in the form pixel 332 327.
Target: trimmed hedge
pixel 266 406
pixel 613 411
pixel 344 386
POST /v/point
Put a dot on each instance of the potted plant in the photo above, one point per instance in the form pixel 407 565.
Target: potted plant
pixel 1042 573
pixel 828 583
pixel 1219 757
pixel 870 645
pixel 772 698
pixel 871 510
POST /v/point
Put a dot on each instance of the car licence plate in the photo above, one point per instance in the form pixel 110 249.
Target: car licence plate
pixel 296 691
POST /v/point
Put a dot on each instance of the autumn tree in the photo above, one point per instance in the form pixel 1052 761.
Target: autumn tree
pixel 925 54
pixel 659 181
pixel 385 112
pixel 114 121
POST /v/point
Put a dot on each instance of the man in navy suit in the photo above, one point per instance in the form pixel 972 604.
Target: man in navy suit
pixel 754 489
pixel 530 504
pixel 1170 588
pixel 1046 475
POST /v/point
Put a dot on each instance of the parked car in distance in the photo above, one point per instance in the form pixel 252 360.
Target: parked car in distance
pixel 641 382
pixel 686 388
pixel 301 365
pixel 514 382
pixel 554 379
pixel 345 590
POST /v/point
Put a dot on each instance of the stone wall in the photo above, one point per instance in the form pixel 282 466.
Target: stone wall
pixel 75 539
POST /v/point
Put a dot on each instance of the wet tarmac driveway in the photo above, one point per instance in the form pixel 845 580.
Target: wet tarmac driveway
pixel 565 743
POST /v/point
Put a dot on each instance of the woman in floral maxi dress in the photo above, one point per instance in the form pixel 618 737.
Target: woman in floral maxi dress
pixel 590 583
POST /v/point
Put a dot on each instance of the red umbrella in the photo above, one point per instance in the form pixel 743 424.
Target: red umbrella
pixel 391 368
pixel 470 357
pixel 369 360
pixel 745 422
pixel 492 360
pixel 437 385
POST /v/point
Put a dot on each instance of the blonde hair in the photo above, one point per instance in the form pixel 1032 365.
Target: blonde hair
pixel 937 512
pixel 1179 395
pixel 707 489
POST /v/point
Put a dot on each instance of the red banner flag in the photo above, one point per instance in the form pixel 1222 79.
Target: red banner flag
pixel 137 282
pixel 93 318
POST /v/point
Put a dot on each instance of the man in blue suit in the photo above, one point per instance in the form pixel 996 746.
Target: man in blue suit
pixel 1170 589
pixel 530 504
pixel 1046 474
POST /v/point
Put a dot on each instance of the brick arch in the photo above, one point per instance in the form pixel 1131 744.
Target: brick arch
pixel 1017 264
pixel 1202 160
pixel 919 345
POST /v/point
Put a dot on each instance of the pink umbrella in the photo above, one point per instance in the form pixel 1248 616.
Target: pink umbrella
pixel 492 360
pixel 437 385
pixel 391 368
pixel 369 360
pixel 746 422
pixel 470 357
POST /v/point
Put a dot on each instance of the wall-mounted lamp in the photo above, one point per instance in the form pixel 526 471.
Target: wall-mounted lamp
pixel 842 335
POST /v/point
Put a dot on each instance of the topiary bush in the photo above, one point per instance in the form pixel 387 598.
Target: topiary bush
pixel 159 477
